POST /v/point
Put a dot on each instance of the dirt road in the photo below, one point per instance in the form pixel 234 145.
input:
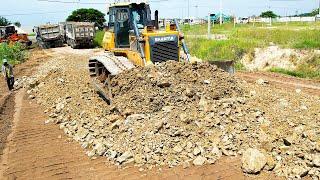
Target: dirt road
pixel 35 150
pixel 282 81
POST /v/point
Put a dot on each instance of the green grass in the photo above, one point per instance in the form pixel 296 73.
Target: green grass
pixel 287 38
pixel 232 49
pixel 15 54
pixel 298 73
pixel 243 38
pixel 32 34
pixel 98 38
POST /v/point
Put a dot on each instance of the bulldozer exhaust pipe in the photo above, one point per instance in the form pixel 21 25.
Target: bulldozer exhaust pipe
pixel 156 19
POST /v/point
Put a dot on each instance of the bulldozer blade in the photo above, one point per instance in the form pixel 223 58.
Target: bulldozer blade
pixel 227 66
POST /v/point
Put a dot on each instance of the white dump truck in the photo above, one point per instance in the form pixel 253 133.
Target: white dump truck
pixel 49 36
pixel 80 34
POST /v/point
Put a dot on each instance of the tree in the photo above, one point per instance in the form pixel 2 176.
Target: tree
pixel 88 15
pixel 18 24
pixel 4 21
pixel 313 13
pixel 268 14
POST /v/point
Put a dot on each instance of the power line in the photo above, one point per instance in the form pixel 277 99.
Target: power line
pixel 87 3
pixel 35 13
pixel 70 2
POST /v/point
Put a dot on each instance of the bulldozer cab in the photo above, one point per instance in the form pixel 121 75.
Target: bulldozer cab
pixel 6 31
pixel 121 19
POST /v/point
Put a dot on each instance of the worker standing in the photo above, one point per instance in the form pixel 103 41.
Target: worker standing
pixel 7 72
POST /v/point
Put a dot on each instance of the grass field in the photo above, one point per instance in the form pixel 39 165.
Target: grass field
pixel 243 38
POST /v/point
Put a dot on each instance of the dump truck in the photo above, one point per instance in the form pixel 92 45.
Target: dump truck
pixel 80 34
pixel 10 35
pixel 133 39
pixel 49 36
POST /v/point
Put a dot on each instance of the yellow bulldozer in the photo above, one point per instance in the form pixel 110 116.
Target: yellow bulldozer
pixel 132 39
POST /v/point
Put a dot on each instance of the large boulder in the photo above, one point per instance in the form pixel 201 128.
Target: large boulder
pixel 253 161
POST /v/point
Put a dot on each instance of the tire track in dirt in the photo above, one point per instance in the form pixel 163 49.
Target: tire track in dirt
pixel 6 116
pixel 312 87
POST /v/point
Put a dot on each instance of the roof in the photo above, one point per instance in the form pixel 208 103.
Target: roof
pixel 127 3
pixel 19 30
pixel 81 23
pixel 48 25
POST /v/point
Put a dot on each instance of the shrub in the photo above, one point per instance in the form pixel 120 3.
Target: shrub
pixel 13 53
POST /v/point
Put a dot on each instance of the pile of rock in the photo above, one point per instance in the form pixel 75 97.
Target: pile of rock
pixel 172 114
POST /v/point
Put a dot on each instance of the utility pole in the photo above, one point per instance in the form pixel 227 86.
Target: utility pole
pixel 220 12
pixel 319 7
pixel 189 11
pixel 209 26
pixel 196 6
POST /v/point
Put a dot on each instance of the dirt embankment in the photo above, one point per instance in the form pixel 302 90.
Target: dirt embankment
pixel 263 59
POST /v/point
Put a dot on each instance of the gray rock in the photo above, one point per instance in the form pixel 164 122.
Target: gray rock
pixel 196 151
pixel 100 148
pixel 82 133
pixel 164 84
pixel 316 160
pixel 125 156
pixel 178 149
pixel 115 125
pixel 112 154
pixel 287 141
pixel 299 171
pixel 199 161
pixel 136 117
pixel 206 82
pixel 253 161
pixel 262 82
pixel 31 97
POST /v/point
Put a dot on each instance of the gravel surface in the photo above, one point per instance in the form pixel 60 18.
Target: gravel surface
pixel 173 114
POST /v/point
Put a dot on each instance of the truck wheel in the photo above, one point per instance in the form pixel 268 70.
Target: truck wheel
pixel 73 44
pixel 60 43
pixel 46 45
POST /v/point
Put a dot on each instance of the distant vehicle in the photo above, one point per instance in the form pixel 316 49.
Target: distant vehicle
pixel 80 34
pixel 9 34
pixel 244 20
pixel 215 18
pixel 49 36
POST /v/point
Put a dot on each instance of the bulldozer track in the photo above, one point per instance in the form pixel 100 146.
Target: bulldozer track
pixel 111 63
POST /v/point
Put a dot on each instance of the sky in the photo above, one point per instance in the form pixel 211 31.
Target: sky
pixel 34 12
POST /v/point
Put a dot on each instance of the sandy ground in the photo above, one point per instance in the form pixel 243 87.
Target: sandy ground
pixel 34 150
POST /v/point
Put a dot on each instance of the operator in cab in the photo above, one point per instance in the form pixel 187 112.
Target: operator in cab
pixel 7 71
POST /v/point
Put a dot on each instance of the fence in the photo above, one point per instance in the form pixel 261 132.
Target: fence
pixel 286 19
